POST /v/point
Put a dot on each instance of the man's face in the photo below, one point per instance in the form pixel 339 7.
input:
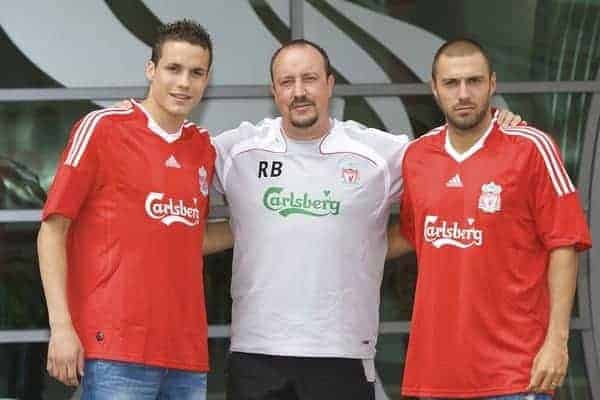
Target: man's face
pixel 462 88
pixel 301 87
pixel 178 80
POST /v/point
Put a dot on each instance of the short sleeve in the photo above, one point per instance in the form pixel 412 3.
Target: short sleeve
pixel 76 171
pixel 219 165
pixel 407 218
pixel 559 217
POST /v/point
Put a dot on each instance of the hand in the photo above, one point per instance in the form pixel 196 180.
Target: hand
pixel 549 367
pixel 125 104
pixel 65 355
pixel 507 119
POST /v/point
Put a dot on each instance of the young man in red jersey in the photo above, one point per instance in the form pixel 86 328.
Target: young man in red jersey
pixel 119 242
pixel 496 224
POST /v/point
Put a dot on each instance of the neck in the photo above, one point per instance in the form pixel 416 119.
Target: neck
pixel 463 139
pixel 168 122
pixel 316 131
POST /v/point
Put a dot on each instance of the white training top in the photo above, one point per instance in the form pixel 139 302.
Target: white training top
pixel 310 226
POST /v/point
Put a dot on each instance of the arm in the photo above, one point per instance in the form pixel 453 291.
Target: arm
pixel 217 237
pixel 397 244
pixel 550 364
pixel 65 352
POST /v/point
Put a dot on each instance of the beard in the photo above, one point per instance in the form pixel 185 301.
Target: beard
pixel 303 121
pixel 470 122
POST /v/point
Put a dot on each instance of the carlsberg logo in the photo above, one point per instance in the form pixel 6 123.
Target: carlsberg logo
pixel 287 203
pixel 170 211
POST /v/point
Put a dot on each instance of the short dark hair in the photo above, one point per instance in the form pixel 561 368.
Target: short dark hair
pixel 303 42
pixel 184 30
pixel 460 47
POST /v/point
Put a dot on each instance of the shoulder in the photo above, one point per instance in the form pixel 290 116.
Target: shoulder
pixel 99 120
pixel 246 131
pixel 428 139
pixel 197 131
pixel 528 136
pixel 371 136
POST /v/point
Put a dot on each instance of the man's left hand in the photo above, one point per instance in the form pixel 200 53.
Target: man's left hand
pixel 507 119
pixel 549 367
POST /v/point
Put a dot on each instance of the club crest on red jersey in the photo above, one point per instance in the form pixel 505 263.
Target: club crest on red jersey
pixel 489 200
pixel 202 179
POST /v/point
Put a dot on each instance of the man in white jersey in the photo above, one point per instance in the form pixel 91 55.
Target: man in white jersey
pixel 309 199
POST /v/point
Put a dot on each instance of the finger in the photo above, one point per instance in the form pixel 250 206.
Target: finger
pixel 515 121
pixel 60 372
pixel 536 379
pixel 547 383
pixel 501 117
pixel 71 370
pixel 80 363
pixel 51 368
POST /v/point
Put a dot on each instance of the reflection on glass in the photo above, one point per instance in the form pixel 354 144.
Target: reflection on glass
pixel 554 40
pixel 34 134
pixel 21 301
pixel 562 115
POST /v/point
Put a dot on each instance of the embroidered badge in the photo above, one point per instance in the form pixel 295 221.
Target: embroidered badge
pixel 350 173
pixel 489 200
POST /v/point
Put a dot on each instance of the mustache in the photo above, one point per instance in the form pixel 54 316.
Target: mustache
pixel 301 101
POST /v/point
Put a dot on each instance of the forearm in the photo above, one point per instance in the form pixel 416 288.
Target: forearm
pixel 397 244
pixel 217 237
pixel 562 280
pixel 51 244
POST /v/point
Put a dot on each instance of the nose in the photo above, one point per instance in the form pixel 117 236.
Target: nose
pixel 299 89
pixel 463 91
pixel 183 81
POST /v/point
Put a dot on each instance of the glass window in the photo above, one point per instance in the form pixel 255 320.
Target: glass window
pixel 395 41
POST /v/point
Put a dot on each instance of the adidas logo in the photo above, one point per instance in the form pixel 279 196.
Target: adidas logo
pixel 172 162
pixel 454 182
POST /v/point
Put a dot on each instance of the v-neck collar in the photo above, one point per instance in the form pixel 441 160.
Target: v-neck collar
pixel 460 157
pixel 155 128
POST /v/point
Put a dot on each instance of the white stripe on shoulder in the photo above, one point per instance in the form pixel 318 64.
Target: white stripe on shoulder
pixel 560 179
pixel 86 129
pixel 555 157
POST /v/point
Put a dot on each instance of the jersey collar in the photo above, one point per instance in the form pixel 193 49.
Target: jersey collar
pixel 335 141
pixel 155 128
pixel 460 157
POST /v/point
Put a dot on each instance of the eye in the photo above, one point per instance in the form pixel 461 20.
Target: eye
pixel 450 82
pixel 199 73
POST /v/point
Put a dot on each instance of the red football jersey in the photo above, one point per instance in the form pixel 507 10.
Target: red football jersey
pixel 138 198
pixel 483 223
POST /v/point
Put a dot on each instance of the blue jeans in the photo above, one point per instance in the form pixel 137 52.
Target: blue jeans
pixel 113 380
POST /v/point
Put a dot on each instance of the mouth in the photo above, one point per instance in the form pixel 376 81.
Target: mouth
pixel 181 97
pixel 464 109
pixel 301 106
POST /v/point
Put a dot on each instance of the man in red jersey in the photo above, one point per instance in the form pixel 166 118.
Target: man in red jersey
pixel 496 224
pixel 119 242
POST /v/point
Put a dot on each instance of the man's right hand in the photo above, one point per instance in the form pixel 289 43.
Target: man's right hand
pixel 65 355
